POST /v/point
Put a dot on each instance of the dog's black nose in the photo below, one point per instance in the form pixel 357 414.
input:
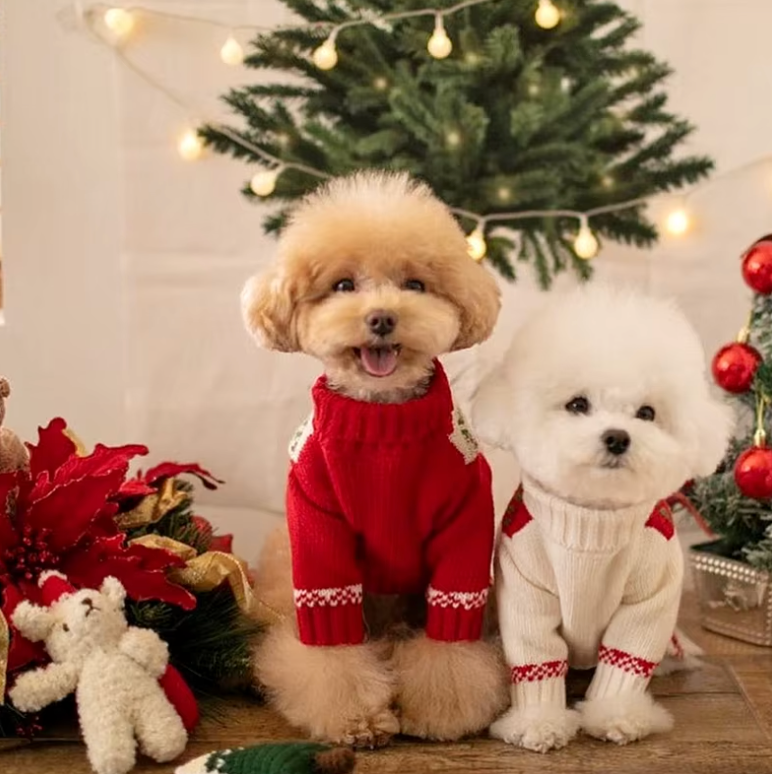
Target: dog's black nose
pixel 381 322
pixel 86 601
pixel 617 441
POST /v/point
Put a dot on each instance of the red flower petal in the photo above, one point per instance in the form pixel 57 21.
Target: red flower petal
pixel 70 508
pixel 134 487
pixel 101 462
pixel 139 568
pixel 21 651
pixel 170 469
pixel 222 543
pixel 53 448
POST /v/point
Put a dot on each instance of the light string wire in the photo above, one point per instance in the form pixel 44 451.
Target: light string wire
pixel 89 17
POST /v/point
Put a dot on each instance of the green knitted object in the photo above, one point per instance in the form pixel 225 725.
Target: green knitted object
pixel 284 758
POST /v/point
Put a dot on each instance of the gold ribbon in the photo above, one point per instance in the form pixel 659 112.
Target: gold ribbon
pixel 207 571
pixel 153 507
pixel 5 644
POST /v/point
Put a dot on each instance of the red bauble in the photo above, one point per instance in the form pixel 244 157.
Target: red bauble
pixel 753 473
pixel 757 267
pixel 734 366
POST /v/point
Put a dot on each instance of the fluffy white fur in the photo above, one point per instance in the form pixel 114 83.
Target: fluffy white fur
pixel 620 350
pixel 624 719
pixel 539 728
pixel 114 669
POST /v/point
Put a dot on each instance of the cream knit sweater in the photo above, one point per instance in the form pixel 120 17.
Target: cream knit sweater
pixel 581 587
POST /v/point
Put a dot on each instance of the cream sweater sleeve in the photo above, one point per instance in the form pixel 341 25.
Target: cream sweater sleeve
pixel 530 618
pixel 637 636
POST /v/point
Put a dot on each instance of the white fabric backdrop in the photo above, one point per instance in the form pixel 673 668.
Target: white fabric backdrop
pixel 124 264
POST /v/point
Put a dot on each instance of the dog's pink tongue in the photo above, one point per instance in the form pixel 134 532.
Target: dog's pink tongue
pixel 379 361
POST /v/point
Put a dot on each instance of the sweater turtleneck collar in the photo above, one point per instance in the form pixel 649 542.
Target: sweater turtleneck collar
pixel 344 418
pixel 580 528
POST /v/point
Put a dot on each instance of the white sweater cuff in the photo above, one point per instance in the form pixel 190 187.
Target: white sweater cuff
pixel 613 681
pixel 551 691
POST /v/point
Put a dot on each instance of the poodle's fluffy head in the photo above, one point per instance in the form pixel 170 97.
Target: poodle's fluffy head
pixel 76 624
pixel 373 278
pixel 603 398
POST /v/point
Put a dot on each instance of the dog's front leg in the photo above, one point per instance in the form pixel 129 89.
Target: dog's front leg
pixel 617 707
pixel 530 619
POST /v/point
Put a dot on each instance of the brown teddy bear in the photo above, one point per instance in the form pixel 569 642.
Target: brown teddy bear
pixel 13 453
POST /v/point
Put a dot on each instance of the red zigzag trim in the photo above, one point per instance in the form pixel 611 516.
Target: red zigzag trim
pixel 626 661
pixel 531 673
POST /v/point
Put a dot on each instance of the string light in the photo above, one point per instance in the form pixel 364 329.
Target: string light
pixel 547 15
pixel 439 45
pixel 263 183
pixel 119 21
pixel 190 146
pixel 232 53
pixel 326 56
pixel 678 222
pixel 475 243
pixel 585 244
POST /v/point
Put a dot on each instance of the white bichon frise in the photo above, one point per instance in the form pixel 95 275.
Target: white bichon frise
pixel 604 400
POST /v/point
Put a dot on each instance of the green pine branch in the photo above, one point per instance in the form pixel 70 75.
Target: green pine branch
pixel 544 116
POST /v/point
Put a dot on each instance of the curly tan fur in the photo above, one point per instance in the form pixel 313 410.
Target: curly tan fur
pixel 385 234
pixel 340 694
pixel 380 231
pixel 446 690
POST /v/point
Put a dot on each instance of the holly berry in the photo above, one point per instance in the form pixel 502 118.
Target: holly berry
pixel 734 366
pixel 757 266
pixel 753 473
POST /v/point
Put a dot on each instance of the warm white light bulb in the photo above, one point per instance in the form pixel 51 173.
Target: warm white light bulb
pixel 585 244
pixel 119 21
pixel 263 183
pixel 547 15
pixel 439 44
pixel 326 57
pixel 190 146
pixel 677 222
pixel 475 244
pixel 453 139
pixel 232 53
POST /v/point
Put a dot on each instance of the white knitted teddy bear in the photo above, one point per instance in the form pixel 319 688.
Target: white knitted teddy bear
pixel 113 667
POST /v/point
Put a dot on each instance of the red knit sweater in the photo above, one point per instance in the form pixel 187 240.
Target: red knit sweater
pixel 388 499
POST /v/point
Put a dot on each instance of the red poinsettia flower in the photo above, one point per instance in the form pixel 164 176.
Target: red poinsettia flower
pixel 60 515
pixel 144 484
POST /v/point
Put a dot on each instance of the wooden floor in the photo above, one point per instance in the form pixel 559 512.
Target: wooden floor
pixel 723 724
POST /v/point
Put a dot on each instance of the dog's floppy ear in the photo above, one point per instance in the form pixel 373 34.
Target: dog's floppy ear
pixel 268 309
pixel 479 299
pixel 491 409
pixel 716 424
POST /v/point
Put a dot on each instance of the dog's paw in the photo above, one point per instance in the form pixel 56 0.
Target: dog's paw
pixel 624 718
pixel 541 727
pixel 368 732
pixel 447 690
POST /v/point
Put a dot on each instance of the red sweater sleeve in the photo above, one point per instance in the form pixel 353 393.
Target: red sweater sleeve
pixel 459 556
pixel 326 575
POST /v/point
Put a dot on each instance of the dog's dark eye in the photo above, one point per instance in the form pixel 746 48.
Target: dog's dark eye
pixel 65 628
pixel 344 286
pixel 646 413
pixel 414 284
pixel 578 405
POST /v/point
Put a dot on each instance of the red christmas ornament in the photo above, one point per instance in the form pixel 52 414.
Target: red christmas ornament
pixel 753 473
pixel 757 266
pixel 734 366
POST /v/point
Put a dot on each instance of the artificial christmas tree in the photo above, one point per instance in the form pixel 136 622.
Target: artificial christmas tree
pixel 733 572
pixel 508 106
